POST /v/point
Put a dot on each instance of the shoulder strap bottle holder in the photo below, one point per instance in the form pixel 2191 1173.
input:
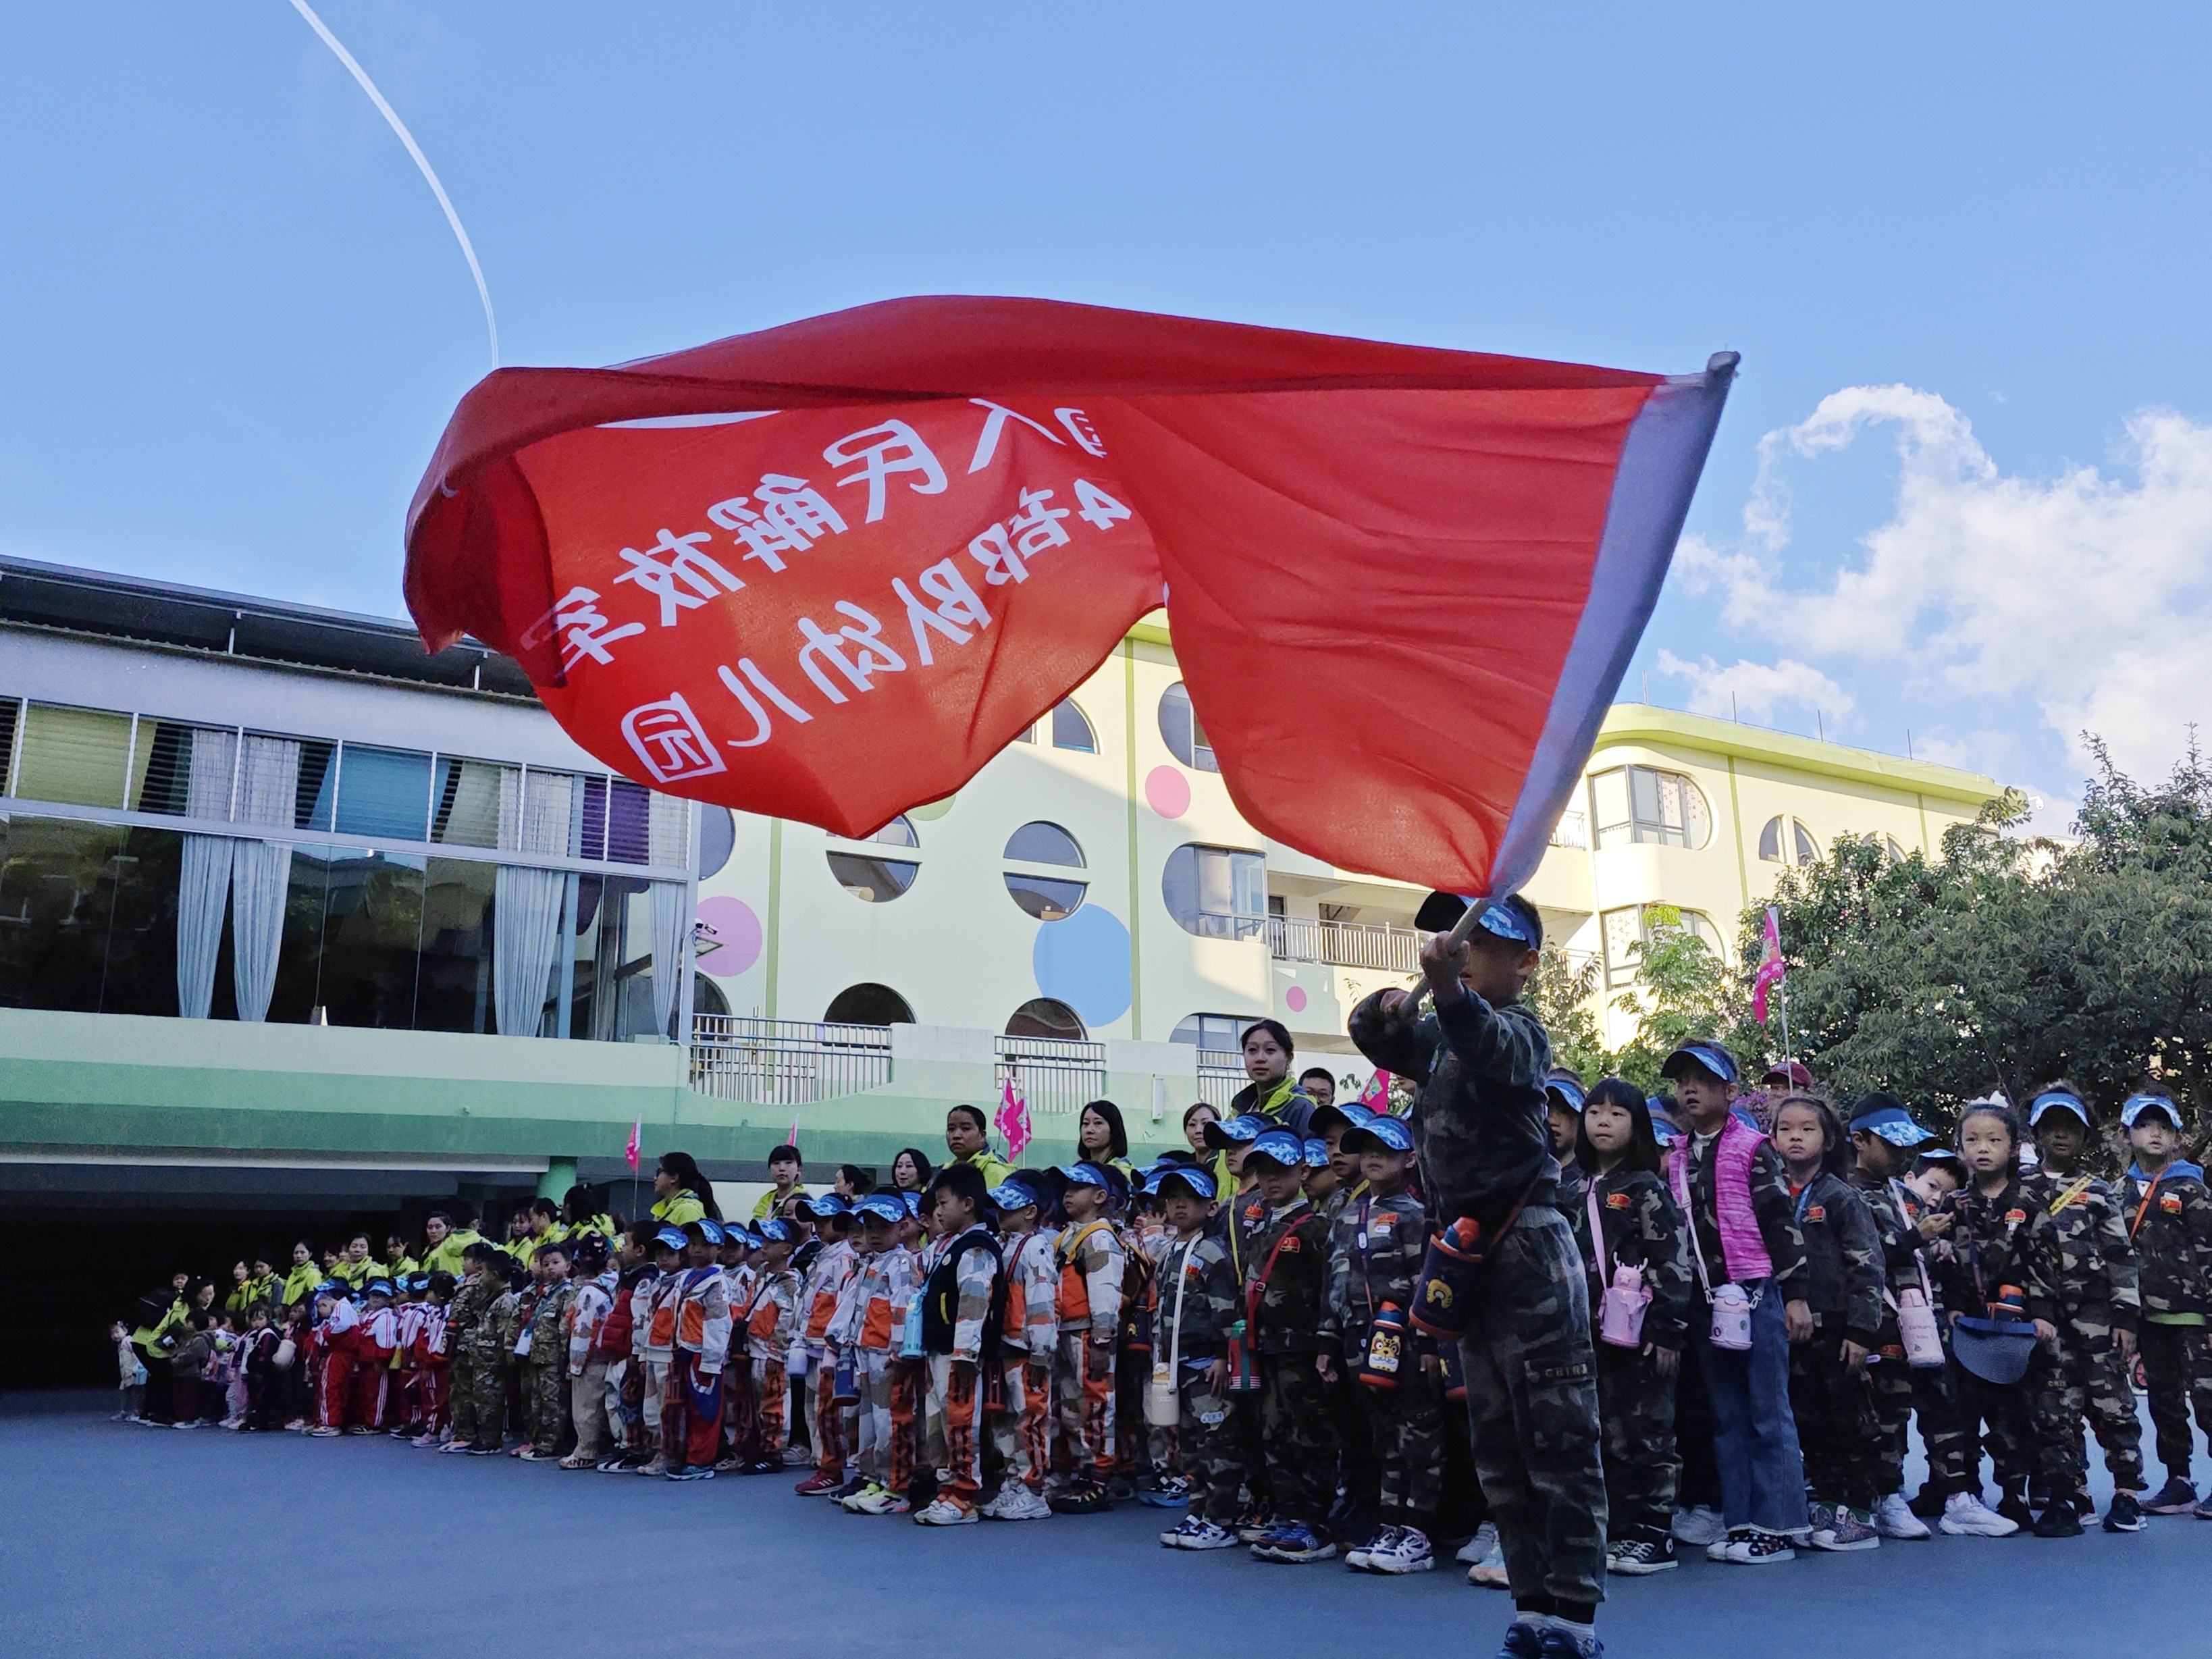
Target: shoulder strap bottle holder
pixel 1731 1327
pixel 1163 1403
pixel 1386 1327
pixel 2143 1208
pixel 1620 1315
pixel 1917 1330
pixel 1444 1299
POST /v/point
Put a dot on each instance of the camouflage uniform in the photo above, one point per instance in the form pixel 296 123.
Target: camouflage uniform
pixel 1844 1274
pixel 1531 1384
pixel 1283 1303
pixel 1376 1249
pixel 2172 1226
pixel 545 1393
pixel 1989 1249
pixel 1642 1227
pixel 1201 1278
pixel 505 1320
pixel 479 1392
pixel 2080 1242
pixel 1896 1384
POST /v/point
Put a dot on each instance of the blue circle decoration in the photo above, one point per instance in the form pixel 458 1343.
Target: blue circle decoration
pixel 1083 962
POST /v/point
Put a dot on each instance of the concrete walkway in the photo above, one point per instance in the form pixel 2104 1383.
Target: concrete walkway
pixel 121 1541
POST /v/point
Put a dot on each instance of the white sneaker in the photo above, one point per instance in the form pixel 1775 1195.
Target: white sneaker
pixel 1019 1503
pixel 946 1512
pixel 1965 1515
pixel 856 1502
pixel 1755 1547
pixel 1195 1532
pixel 1490 1573
pixel 1404 1549
pixel 1355 1555
pixel 1479 1546
pixel 658 1466
pixel 990 1511
pixel 1893 1519
pixel 1700 1527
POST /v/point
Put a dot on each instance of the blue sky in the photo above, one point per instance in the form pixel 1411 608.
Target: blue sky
pixel 1965 486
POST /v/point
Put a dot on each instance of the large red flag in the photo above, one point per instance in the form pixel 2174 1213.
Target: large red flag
pixel 828 570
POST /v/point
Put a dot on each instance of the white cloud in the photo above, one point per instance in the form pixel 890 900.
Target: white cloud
pixel 2091 594
pixel 1755 690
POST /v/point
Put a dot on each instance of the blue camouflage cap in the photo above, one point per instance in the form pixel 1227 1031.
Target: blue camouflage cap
pixel 826 1205
pixel 775 1230
pixel 1010 1195
pixel 1199 1182
pixel 1280 1147
pixel 2059 1100
pixel 377 1287
pixel 1385 1134
pixel 2136 1105
pixel 1709 1056
pixel 672 1237
pixel 711 1229
pixel 1239 1130
pixel 1884 1117
pixel 1568 1088
pixel 1085 1173
pixel 1316 1153
pixel 886 1207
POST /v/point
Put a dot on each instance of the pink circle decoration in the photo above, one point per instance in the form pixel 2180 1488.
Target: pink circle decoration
pixel 1295 999
pixel 1167 792
pixel 739 931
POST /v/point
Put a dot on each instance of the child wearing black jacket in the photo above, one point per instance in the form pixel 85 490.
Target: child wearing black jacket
pixel 1829 1392
pixel 1625 1217
pixel 2168 1213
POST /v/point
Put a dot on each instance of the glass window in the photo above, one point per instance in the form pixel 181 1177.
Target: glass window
pixel 1639 803
pixel 718 839
pixel 1808 850
pixel 311 802
pixel 1889 846
pixel 1180 730
pixel 1216 892
pixel 1043 1017
pixel 297 991
pixel 384 793
pixel 372 935
pixel 899 832
pixel 454 990
pixel 79 757
pixel 1215 1033
pixel 141 971
pixel 868 1004
pixel 188 770
pixel 1628 930
pixel 873 879
pixel 1044 843
pixel 1802 844
pixel 1044 897
pixel 56 894
pixel 1770 841
pixel 1070 730
pixel 629 822
pixel 466 802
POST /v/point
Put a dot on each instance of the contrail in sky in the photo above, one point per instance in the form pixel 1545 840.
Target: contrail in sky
pixel 421 161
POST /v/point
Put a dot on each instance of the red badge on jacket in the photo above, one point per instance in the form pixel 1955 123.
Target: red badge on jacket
pixel 2170 1202
pixel 2014 1217
pixel 1616 1200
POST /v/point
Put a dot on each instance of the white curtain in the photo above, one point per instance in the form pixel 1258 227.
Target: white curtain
pixel 668 842
pixel 205 873
pixel 261 871
pixel 535 813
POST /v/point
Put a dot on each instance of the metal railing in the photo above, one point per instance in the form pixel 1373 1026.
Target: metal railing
pixel 1056 1076
pixel 1220 1078
pixel 1345 943
pixel 785 1062
pixel 1571 830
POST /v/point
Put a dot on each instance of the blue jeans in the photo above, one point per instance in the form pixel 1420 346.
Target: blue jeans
pixel 1754 1435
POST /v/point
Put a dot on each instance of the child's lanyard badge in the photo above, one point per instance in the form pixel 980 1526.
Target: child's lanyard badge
pixel 2072 1194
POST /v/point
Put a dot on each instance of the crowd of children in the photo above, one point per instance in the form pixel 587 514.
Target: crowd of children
pixel 1777 1292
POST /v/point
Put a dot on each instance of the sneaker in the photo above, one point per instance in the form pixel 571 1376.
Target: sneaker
pixel 1296 1543
pixel 2083 1505
pixel 572 1461
pixel 693 1471
pixel 1025 1505
pixel 1081 1498
pixel 818 1485
pixel 616 1464
pixel 2058 1521
pixel 655 1466
pixel 2014 1508
pixel 1172 1491
pixel 1818 1518
pixel 765 1466
pixel 1489 1573
pixel 2124 1514
pixel 2176 1497
pixel 325 1432
pixel 1565 1644
pixel 1757 1547
pixel 883 1501
pixel 1967 1516
pixel 1195 1532
pixel 481 1451
pixel 423 1442
pixel 1522 1641
pixel 852 1503
pixel 1355 1557
pixel 1894 1518
pixel 946 1511
pixel 1848 1528
pixel 2204 1511
pixel 531 1454
pixel 1697 1528
pixel 1719 1549
pixel 1258 1519
pixel 1477 1547
pixel 1404 1549
pixel 1637 1557
pixel 797 1457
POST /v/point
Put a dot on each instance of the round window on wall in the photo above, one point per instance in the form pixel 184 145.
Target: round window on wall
pixel 1044 854
pixel 1180 730
pixel 870 875
pixel 1043 1016
pixel 868 1004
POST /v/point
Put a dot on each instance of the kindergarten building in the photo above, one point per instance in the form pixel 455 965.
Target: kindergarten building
pixel 295 918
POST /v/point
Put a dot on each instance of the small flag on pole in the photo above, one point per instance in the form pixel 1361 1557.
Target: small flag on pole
pixel 1012 1120
pixel 1771 968
pixel 1376 1097
pixel 793 1142
pixel 629 1152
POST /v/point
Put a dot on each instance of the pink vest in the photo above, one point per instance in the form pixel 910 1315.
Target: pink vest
pixel 1742 1248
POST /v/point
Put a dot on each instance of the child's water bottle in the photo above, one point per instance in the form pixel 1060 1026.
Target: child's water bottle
pixel 1444 1304
pixel 1620 1315
pixel 1386 1348
pixel 1732 1318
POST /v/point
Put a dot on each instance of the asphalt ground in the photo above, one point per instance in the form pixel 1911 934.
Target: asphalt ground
pixel 118 1541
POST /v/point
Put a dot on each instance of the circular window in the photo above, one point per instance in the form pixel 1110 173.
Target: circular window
pixel 1043 1017
pixel 718 839
pixel 1046 893
pixel 868 875
pixel 1180 730
pixel 868 1004
pixel 1216 892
